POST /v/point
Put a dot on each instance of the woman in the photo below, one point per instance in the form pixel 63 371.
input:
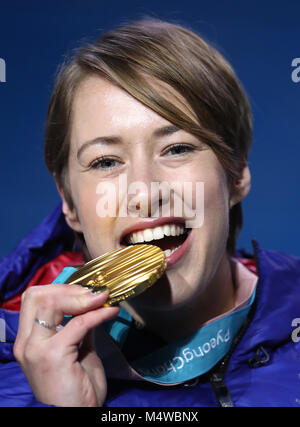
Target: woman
pixel 155 103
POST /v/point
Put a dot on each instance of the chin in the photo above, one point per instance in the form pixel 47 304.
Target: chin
pixel 165 294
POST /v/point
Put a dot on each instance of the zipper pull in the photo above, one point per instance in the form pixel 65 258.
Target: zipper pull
pixel 221 390
pixel 260 358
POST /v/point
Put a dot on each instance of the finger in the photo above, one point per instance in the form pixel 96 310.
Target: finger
pixel 58 300
pixel 77 328
pixel 27 314
pixel 52 311
pixel 33 297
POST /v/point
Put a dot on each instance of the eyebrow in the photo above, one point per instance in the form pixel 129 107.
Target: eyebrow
pixel 166 131
pixel 108 140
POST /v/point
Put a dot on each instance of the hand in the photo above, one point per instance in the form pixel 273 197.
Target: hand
pixel 61 366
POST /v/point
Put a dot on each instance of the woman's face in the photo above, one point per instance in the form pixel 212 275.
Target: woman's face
pixel 114 135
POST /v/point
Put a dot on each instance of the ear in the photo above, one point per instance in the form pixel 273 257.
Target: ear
pixel 240 187
pixel 71 215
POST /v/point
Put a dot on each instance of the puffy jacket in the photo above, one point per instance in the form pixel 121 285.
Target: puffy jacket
pixel 262 367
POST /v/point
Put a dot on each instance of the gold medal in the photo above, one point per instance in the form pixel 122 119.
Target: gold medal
pixel 125 272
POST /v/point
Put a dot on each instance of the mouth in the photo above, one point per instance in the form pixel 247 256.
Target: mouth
pixel 172 238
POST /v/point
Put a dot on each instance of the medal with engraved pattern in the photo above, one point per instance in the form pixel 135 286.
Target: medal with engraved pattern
pixel 125 272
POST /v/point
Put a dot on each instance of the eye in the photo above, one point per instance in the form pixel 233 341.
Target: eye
pixel 104 163
pixel 179 149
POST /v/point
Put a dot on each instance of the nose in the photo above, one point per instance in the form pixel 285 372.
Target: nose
pixel 144 196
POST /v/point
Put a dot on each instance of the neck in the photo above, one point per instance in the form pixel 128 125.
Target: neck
pixel 217 298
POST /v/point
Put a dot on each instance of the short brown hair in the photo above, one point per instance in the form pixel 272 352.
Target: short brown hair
pixel 173 55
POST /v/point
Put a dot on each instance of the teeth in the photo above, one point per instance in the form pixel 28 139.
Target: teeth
pixel 148 235
pixel 156 233
pixel 166 230
pixel 169 252
pixel 173 230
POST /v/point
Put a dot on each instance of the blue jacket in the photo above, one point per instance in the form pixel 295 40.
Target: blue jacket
pixel 262 367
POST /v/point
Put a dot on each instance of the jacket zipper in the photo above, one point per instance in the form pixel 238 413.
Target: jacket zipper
pixel 218 373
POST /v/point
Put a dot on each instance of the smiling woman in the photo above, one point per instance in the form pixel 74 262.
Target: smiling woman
pixel 154 103
pixel 196 90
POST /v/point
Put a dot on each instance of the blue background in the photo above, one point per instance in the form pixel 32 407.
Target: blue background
pixel 259 38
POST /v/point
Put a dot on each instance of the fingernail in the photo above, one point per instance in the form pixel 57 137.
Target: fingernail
pixel 83 286
pixel 93 289
pixel 99 290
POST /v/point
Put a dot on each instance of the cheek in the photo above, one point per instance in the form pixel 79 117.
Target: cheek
pixel 211 236
pixel 216 218
pixel 209 190
pixel 216 203
pixel 85 200
pixel 97 230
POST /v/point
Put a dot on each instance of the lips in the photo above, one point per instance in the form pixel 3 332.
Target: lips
pixel 170 234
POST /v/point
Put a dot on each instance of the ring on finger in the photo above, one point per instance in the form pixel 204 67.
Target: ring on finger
pixel 47 325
